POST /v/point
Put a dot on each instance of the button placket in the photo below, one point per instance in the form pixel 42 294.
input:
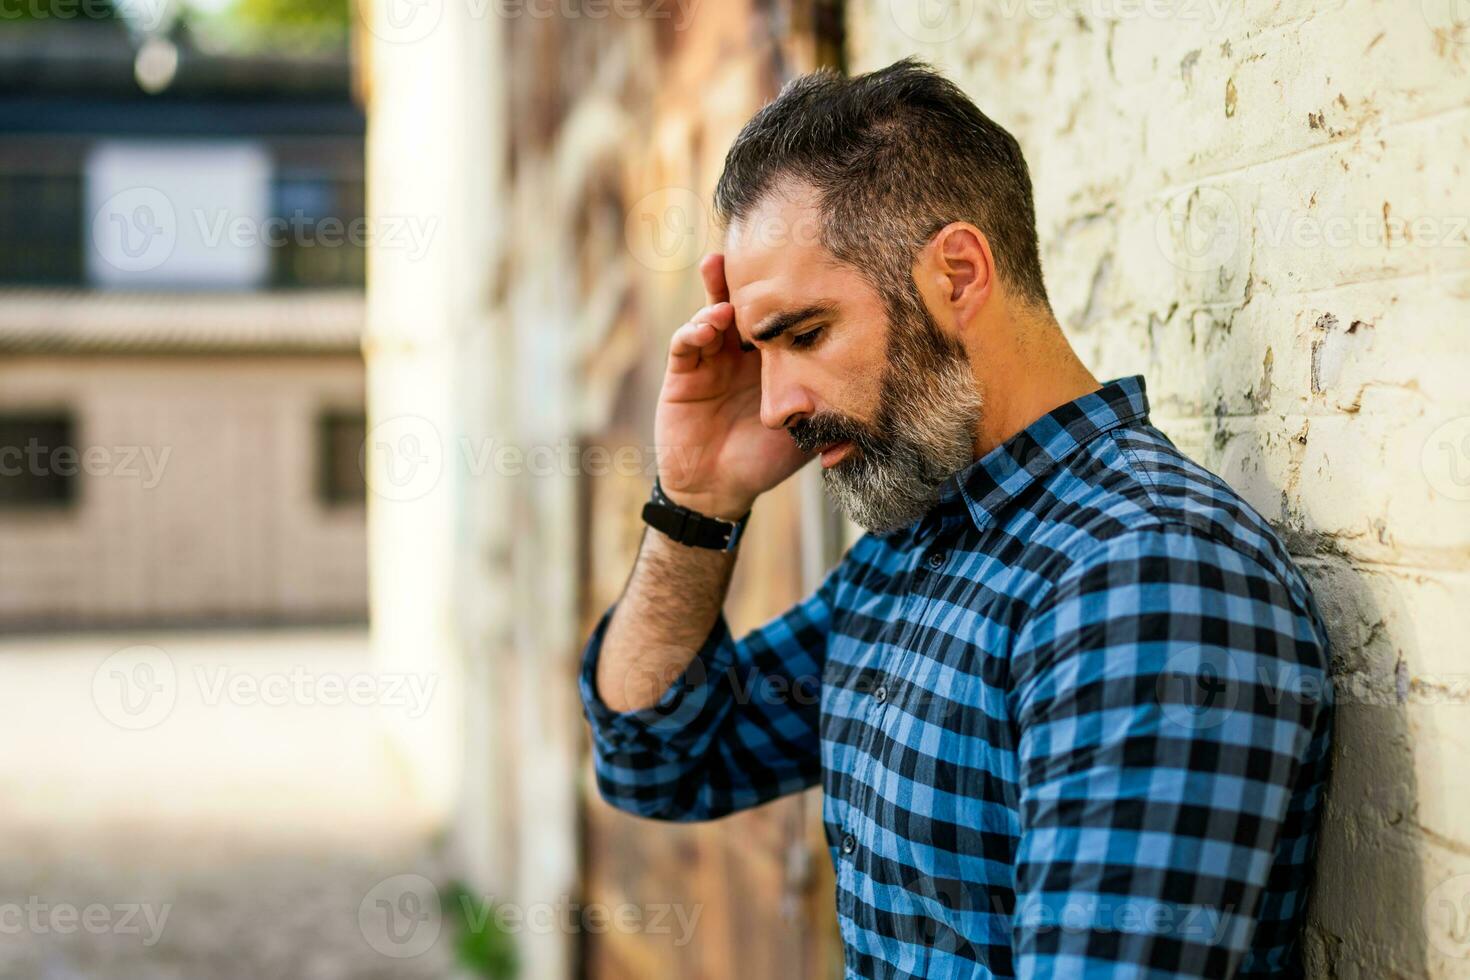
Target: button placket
pixel 911 611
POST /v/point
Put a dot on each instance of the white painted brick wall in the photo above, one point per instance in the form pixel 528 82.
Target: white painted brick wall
pixel 1264 206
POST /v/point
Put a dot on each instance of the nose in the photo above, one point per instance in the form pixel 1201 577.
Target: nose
pixel 784 400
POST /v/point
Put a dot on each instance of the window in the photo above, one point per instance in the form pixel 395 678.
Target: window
pixel 39 460
pixel 178 214
pixel 119 219
pixel 340 439
pixel 322 231
pixel 41 228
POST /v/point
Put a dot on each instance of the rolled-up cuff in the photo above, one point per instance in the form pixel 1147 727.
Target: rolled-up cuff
pixel 692 696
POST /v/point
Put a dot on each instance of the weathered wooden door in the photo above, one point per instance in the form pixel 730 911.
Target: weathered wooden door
pixel 623 124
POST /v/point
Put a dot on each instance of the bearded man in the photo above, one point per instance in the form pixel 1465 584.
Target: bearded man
pixel 1068 696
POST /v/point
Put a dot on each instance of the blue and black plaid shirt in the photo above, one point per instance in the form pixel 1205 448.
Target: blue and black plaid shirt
pixel 1073 722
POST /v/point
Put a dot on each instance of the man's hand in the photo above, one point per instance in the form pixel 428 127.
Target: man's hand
pixel 715 455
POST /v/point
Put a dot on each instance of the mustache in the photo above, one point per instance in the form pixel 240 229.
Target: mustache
pixel 811 434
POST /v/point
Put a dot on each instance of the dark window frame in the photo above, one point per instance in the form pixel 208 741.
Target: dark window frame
pixel 332 490
pixel 48 491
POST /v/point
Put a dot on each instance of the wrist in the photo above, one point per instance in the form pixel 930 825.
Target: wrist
pixel 723 508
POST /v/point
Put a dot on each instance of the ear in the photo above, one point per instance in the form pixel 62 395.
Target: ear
pixel 959 270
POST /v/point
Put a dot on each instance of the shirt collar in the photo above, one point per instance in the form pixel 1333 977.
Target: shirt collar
pixel 986 485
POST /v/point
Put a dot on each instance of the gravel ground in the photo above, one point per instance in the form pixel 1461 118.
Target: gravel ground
pixel 208 805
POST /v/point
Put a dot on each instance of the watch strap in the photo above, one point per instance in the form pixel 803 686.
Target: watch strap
pixel 690 527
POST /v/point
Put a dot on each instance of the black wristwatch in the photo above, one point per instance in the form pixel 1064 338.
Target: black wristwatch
pixel 690 527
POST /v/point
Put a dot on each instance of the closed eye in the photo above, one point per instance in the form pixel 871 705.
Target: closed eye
pixel 801 341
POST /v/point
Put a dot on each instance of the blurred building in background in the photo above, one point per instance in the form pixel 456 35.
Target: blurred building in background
pixel 181 269
pixel 182 413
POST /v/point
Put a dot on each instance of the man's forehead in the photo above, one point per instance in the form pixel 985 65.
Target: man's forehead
pixel 777 226
pixel 776 295
pixel 784 226
pixel 774 259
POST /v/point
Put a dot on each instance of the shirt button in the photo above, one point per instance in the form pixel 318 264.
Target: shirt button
pixel 935 559
pixel 849 843
pixel 881 694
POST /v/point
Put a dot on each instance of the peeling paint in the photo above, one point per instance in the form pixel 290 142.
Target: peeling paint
pixel 1324 326
pixel 1262 395
pixel 1186 67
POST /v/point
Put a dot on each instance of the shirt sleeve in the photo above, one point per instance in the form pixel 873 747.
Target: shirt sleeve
pixel 737 728
pixel 1172 707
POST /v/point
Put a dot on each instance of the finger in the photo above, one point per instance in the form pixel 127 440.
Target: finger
pixel 732 339
pixel 712 271
pixel 721 315
pixel 717 315
pixel 720 319
pixel 691 339
pixel 701 338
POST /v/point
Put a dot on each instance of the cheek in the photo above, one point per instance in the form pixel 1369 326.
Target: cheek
pixel 851 382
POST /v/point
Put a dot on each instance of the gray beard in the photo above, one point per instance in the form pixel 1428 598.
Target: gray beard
pixel 929 407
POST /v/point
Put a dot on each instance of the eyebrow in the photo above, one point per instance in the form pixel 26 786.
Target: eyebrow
pixel 776 324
